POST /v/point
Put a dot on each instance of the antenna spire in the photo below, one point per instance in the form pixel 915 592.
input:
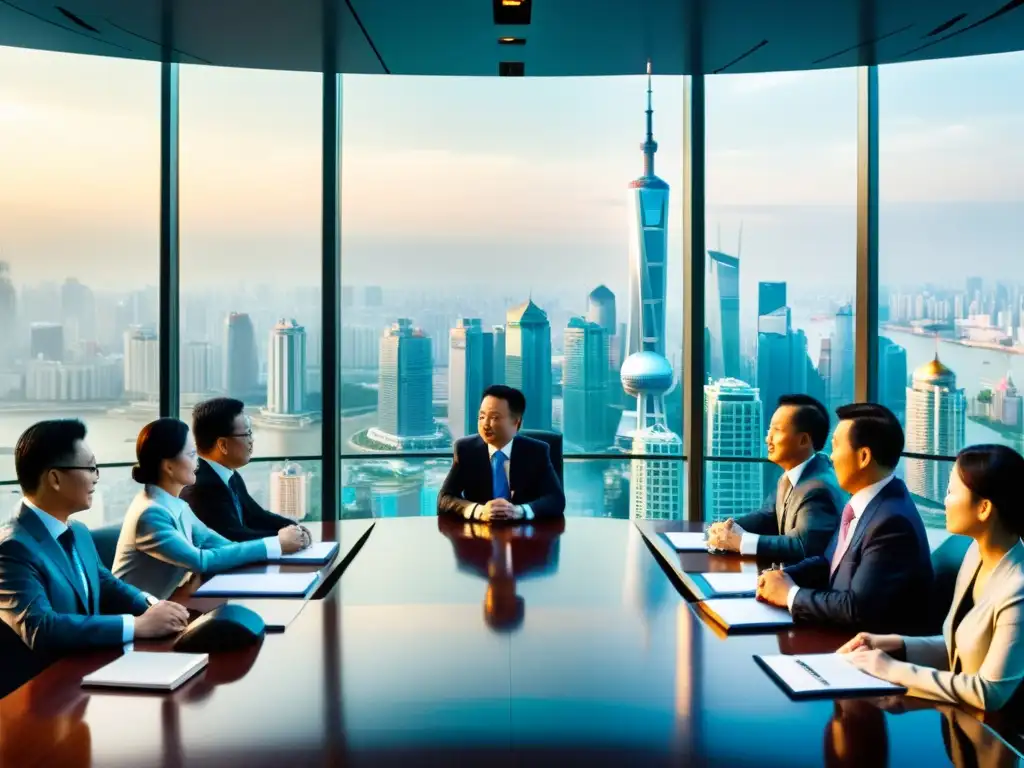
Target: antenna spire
pixel 650 146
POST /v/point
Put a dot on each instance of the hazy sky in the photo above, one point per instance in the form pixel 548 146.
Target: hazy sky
pixel 517 181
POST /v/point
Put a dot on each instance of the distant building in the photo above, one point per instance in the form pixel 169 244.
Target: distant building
pixel 734 429
pixel 200 374
pixel 470 372
pixel 241 363
pixel 141 363
pixel 289 491
pixel 528 361
pixel 936 425
pixel 286 369
pixel 405 403
pixel 585 385
pixel 46 341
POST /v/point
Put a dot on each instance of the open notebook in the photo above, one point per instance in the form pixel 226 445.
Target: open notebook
pixel 145 670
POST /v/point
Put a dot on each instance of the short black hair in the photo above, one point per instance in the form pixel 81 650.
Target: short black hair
pixel 516 400
pixel 810 417
pixel 44 445
pixel 876 428
pixel 214 419
pixel 161 439
pixel 995 472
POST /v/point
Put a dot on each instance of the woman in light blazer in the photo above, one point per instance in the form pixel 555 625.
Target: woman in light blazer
pixel 162 542
pixel 979 659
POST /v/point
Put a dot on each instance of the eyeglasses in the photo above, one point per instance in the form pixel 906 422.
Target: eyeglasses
pixel 93 470
pixel 246 435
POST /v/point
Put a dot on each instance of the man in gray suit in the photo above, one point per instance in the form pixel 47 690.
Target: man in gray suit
pixel 56 597
pixel 799 519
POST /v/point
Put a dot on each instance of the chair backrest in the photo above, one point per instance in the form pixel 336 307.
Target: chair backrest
pixel 105 538
pixel 554 441
pixel 946 561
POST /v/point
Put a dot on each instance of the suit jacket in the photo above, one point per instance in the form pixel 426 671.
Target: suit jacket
pixel 805 522
pixel 160 546
pixel 884 578
pixel 532 478
pixel 44 605
pixel 983 665
pixel 213 503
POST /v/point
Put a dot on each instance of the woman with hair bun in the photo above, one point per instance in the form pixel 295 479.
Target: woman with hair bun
pixel 979 658
pixel 162 542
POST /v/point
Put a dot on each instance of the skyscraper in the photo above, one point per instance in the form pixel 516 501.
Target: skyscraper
pixel 141 363
pixel 528 361
pixel 770 297
pixel 734 429
pixel 842 349
pixel 601 309
pixel 286 369
pixel 405 404
pixel 892 377
pixel 470 366
pixel 241 363
pixel 77 313
pixel 8 314
pixel 46 341
pixel 199 373
pixel 585 385
pixel 723 315
pixel 936 424
pixel 289 491
pixel 498 355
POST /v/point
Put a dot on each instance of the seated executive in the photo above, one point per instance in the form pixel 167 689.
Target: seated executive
pixel 223 435
pixel 162 542
pixel 55 594
pixel 499 475
pixel 800 518
pixel 979 658
pixel 877 571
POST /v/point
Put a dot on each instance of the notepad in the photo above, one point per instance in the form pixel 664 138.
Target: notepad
pixel 687 541
pixel 745 614
pixel 732 583
pixel 147 670
pixel 315 554
pixel 823 675
pixel 258 585
pixel 276 614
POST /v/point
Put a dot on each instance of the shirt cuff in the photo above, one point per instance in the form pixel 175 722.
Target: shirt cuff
pixel 471 511
pixel 527 512
pixel 791 597
pixel 273 545
pixel 152 600
pixel 748 544
pixel 128 632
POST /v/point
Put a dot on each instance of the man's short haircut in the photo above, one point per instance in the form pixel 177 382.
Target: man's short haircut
pixel 214 419
pixel 516 400
pixel 876 428
pixel 810 417
pixel 45 445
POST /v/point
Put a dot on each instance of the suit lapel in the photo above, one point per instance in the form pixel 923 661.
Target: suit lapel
pixel 513 468
pixel 52 551
pixel 482 471
pixel 964 579
pixel 888 491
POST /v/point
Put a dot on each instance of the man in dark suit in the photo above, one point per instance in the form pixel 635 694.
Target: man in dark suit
pixel 876 573
pixel 56 596
pixel 499 475
pixel 800 517
pixel 219 497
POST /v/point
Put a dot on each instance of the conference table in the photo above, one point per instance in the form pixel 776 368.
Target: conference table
pixel 442 642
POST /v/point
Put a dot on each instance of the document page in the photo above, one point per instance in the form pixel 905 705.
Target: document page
pixel 732 583
pixel 824 672
pixel 738 612
pixel 687 541
pixel 320 552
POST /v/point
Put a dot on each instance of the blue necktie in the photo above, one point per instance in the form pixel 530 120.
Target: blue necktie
pixel 498 477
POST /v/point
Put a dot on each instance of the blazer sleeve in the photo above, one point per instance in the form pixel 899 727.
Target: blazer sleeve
pixel 551 501
pixel 997 680
pixel 262 521
pixel 816 522
pixel 763 521
pixel 449 499
pixel 811 572
pixel 887 561
pixel 208 553
pixel 214 506
pixel 25 608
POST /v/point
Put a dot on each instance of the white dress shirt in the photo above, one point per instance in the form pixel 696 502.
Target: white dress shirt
pixel 476 509
pixel 858 502
pixel 55 528
pixel 748 541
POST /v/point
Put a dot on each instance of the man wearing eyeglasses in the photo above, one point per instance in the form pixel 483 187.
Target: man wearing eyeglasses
pixel 223 435
pixel 56 597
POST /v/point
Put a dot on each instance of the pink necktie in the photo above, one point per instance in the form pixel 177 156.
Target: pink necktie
pixel 844 529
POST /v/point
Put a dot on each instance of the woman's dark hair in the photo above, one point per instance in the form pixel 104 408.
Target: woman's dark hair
pixel 158 440
pixel 994 472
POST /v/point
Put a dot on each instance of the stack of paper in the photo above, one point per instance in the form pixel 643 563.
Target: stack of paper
pixel 823 675
pixel 147 670
pixel 738 614
pixel 258 585
pixel 732 583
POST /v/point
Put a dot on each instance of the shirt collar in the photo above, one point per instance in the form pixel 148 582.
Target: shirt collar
pixel 860 500
pixel 53 526
pixel 797 472
pixel 506 449
pixel 223 472
pixel 163 498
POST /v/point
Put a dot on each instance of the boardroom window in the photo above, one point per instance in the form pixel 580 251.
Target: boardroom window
pixel 250 188
pixel 781 263
pixel 489 227
pixel 79 246
pixel 951 224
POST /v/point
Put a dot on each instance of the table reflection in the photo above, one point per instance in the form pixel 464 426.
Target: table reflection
pixel 503 555
pixel 856 735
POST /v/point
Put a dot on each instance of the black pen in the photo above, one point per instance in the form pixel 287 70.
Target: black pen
pixel 807 668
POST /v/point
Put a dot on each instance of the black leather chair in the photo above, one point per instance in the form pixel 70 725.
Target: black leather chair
pixel 105 538
pixel 946 561
pixel 554 441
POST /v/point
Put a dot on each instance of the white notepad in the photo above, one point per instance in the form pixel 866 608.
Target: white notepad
pixel 732 583
pixel 823 674
pixel 276 614
pixel 147 670
pixel 746 613
pixel 258 585
pixel 687 541
pixel 314 554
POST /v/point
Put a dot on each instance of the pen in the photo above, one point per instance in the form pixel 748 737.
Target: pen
pixel 807 668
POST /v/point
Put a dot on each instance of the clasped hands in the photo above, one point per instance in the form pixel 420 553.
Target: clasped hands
pixel 871 653
pixel 294 538
pixel 725 535
pixel 499 510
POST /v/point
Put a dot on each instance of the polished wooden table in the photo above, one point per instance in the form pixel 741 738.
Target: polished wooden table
pixel 447 643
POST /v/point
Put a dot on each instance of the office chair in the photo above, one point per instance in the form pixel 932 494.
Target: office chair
pixel 105 538
pixel 946 561
pixel 554 441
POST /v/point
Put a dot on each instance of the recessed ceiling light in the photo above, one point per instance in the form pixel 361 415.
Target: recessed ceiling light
pixel 511 41
pixel 511 2
pixel 511 12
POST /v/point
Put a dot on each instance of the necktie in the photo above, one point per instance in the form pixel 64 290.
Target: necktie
pixel 237 489
pixel 781 495
pixel 844 530
pixel 499 480
pixel 67 543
